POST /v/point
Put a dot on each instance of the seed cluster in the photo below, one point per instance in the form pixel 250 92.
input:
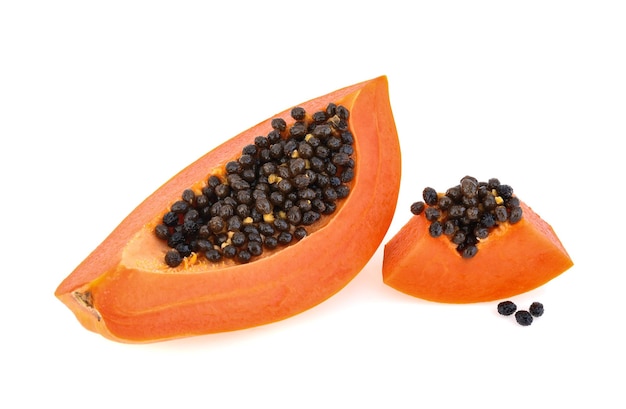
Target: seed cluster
pixel 523 317
pixel 280 184
pixel 469 211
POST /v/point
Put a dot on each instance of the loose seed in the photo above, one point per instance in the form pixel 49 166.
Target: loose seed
pixel 536 309
pixel 523 318
pixel 507 308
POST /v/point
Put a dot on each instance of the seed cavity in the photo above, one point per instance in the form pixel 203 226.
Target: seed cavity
pixel 283 183
pixel 86 300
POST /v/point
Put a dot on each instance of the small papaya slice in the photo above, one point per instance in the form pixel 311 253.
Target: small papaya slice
pixel 126 291
pixel 514 258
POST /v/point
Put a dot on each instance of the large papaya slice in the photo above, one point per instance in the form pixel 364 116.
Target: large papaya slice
pixel 513 255
pixel 141 285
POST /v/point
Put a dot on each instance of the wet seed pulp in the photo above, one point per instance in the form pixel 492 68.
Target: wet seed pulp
pixel 468 212
pixel 281 184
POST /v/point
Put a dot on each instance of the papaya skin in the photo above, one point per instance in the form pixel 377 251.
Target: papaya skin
pixel 124 291
pixel 514 259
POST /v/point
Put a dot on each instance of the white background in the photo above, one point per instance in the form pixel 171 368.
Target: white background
pixel 102 102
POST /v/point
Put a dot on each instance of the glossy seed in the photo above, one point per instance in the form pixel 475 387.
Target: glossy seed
pixel 449 227
pixel 188 196
pixel 430 196
pixel 213 255
pixel 279 124
pixel 183 249
pixel 504 191
pixel 298 130
pixel 516 215
pixel 244 256
pixel 180 207
pixel 285 238
pixel 281 224
pixel 173 258
pixel 294 216
pixel 310 217
pixel 507 308
pixel 512 202
pixel 417 207
pixel 456 211
pixel 300 233
pixel 487 220
pixel 229 251
pixel 481 232
pixel 454 193
pixel 251 149
pixel 246 161
pixel 347 175
pixel 347 137
pixel 319 117
pixel 342 112
pixel 472 213
pixel 444 202
pixel 233 167
pixel 501 214
pixel 191 215
pixel 458 237
pixel 190 228
pixel 331 109
pixel 175 239
pixel 162 231
pixel 305 150
pixel 469 251
pixel 523 318
pixel 271 242
pixel 298 113
pixel 435 229
pixel 469 186
pixel 493 183
pixel 432 214
pixel 536 309
pixel 255 248
pixel 322 131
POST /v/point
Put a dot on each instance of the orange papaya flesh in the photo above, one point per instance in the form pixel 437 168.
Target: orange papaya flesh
pixel 514 259
pixel 125 291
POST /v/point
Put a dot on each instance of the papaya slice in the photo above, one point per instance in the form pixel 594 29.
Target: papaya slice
pixel 513 259
pixel 125 291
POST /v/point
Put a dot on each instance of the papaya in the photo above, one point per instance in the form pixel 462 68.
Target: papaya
pixel 137 286
pixel 511 256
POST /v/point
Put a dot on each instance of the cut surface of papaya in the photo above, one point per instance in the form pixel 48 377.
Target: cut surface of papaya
pixel 513 259
pixel 128 291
